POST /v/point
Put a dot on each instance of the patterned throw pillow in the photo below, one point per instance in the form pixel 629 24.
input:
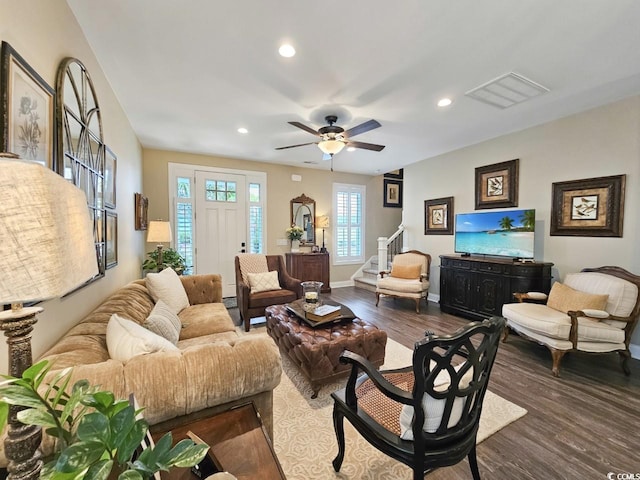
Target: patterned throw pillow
pixel 564 299
pixel 162 321
pixel 263 282
pixel 410 272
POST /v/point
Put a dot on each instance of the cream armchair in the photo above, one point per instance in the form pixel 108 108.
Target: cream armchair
pixel 594 311
pixel 408 278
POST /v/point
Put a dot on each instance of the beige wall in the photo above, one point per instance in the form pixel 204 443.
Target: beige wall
pixel 316 184
pixel 44 32
pixel 600 142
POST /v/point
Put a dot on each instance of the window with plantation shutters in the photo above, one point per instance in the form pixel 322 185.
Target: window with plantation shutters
pixel 348 223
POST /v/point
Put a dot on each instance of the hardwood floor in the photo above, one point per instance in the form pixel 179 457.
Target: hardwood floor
pixel 582 425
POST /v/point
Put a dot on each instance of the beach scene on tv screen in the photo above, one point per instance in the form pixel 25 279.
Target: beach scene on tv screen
pixel 506 233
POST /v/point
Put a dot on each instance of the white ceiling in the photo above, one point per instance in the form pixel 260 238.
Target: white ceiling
pixel 189 73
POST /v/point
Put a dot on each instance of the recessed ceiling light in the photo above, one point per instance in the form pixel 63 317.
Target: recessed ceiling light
pixel 444 102
pixel 351 149
pixel 243 130
pixel 287 50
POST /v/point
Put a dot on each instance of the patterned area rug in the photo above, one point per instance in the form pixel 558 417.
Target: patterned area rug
pixel 305 441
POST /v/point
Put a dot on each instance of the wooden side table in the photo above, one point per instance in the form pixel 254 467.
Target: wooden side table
pixel 310 266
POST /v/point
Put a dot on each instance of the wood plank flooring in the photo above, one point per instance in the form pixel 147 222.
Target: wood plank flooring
pixel 582 425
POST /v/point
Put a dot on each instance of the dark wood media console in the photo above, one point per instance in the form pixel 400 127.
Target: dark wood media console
pixel 477 287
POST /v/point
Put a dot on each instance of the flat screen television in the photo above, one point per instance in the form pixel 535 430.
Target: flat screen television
pixel 509 233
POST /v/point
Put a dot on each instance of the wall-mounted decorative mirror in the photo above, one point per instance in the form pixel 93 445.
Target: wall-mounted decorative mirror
pixel 303 214
pixel 81 149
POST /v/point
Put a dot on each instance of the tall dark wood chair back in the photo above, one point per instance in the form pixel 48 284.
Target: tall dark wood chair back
pixel 445 385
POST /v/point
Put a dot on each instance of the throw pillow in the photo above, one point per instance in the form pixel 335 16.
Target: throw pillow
pixel 263 282
pixel 166 286
pixel 126 339
pixel 162 321
pixel 564 299
pixel 410 272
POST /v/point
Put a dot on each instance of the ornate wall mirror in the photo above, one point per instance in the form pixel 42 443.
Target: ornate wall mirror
pixel 80 144
pixel 303 214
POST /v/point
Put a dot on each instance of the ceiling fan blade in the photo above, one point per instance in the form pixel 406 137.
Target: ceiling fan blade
pixel 305 128
pixel 366 146
pixel 363 127
pixel 293 146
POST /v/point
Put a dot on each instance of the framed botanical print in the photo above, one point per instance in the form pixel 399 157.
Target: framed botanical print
pixel 392 193
pixel 497 185
pixel 438 216
pixel 141 209
pixel 26 110
pixel 592 207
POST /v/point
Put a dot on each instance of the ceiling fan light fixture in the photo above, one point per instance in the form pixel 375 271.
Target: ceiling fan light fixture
pixel 331 147
pixel 287 50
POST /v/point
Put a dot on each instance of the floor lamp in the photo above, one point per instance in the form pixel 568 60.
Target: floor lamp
pixel 47 249
pixel 159 232
pixel 323 223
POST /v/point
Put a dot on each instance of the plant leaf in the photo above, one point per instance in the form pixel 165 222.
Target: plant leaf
pixel 15 395
pixel 4 415
pixel 94 426
pixel 121 424
pixel 79 456
pixel 40 368
pixel 132 441
pixel 186 454
pixel 34 416
pixel 130 475
pixel 100 470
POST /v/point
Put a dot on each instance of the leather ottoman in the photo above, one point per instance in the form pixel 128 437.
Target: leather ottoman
pixel 316 351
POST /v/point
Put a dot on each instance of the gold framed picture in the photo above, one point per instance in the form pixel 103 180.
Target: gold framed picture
pixel 497 185
pixel 592 207
pixel 438 216
pixel 141 209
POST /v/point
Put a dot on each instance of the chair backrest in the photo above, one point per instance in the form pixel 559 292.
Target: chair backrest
pixel 414 257
pixel 246 263
pixel 451 377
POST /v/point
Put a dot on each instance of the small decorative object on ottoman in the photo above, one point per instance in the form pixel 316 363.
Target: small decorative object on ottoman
pixel 316 351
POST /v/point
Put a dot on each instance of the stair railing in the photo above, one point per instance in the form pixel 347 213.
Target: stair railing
pixel 389 247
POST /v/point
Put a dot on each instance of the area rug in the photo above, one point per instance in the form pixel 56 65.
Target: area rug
pixel 305 441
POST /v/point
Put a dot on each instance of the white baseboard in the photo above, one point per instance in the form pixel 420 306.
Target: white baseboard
pixel 345 283
pixel 432 297
pixel 635 351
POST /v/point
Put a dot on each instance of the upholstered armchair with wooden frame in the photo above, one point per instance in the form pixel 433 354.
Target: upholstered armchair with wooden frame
pixel 261 281
pixel 426 415
pixel 408 277
pixel 594 311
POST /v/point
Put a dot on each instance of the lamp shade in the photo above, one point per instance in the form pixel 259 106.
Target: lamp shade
pixel 47 246
pixel 159 232
pixel 323 221
pixel 331 147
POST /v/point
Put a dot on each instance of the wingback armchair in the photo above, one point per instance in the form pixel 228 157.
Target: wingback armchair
pixel 257 286
pixel 594 311
pixel 408 277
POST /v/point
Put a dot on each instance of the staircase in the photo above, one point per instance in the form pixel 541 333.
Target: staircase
pixel 367 276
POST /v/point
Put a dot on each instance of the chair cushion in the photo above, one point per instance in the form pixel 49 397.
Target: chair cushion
pixel 564 299
pixel 252 263
pixel 622 293
pixel 272 297
pixel 263 282
pixel 409 272
pixel 166 286
pixel 126 339
pixel 402 285
pixel 162 321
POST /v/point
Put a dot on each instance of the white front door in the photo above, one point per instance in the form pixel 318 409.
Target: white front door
pixel 221 227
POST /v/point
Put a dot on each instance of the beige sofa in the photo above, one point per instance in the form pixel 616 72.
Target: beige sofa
pixel 214 369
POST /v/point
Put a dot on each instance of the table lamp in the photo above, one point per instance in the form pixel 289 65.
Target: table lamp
pixel 47 249
pixel 323 222
pixel 159 232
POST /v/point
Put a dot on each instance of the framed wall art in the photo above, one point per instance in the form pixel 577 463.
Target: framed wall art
pixel 112 239
pixel 592 207
pixel 497 185
pixel 141 211
pixel 398 174
pixel 110 164
pixel 26 110
pixel 392 193
pixel 438 216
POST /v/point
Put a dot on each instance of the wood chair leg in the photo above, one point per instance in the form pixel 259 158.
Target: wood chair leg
pixel 247 323
pixel 338 426
pixel 417 305
pixel 505 334
pixel 625 356
pixel 473 463
pixel 377 298
pixel 556 355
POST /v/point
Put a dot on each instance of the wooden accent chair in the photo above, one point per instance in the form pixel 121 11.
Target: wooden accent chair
pixel 595 311
pixel 426 415
pixel 408 277
pixel 251 300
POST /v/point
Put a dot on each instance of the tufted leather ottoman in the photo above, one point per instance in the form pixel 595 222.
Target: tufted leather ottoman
pixel 316 350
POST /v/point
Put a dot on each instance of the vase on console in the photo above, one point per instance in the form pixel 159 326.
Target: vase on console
pixel 295 246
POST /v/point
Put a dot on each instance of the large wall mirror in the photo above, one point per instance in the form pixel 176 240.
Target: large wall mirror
pixel 81 148
pixel 303 214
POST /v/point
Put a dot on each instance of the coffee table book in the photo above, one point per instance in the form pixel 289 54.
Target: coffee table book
pixel 344 313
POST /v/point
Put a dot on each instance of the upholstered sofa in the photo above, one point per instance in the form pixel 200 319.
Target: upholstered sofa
pixel 212 369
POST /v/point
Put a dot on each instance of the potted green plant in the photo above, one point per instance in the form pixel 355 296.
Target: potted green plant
pixel 96 435
pixel 170 259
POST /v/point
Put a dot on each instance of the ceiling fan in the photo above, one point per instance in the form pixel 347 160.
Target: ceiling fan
pixel 334 138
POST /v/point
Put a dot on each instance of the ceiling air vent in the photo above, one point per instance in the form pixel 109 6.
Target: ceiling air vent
pixel 507 90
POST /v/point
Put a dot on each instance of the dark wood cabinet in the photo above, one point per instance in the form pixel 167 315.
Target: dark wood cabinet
pixel 309 266
pixel 477 287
